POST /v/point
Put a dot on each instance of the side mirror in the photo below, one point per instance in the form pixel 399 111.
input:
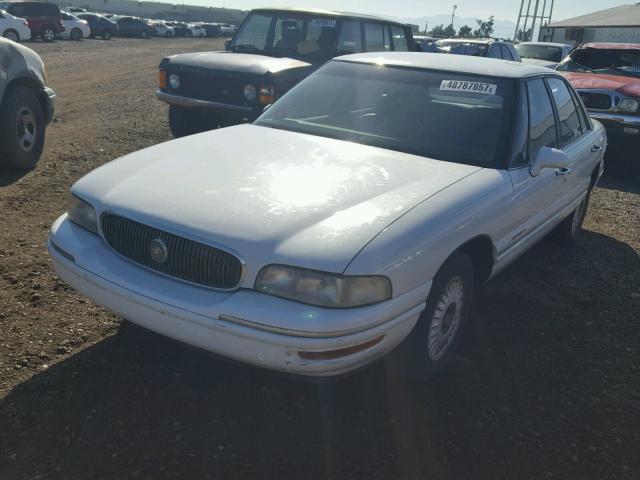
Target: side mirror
pixel 227 43
pixel 548 158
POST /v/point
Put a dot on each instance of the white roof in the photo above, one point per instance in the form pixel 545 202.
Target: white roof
pixel 451 63
pixel 621 16
pixel 547 44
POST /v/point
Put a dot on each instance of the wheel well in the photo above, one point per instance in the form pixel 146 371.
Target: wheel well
pixel 481 252
pixel 32 85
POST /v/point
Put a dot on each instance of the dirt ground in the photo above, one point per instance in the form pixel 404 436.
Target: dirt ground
pixel 548 385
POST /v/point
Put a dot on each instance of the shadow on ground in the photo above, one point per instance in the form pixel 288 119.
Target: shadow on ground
pixel 548 387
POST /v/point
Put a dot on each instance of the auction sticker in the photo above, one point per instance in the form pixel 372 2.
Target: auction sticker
pixel 466 86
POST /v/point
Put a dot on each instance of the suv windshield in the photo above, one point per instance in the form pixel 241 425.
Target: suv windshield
pixel 447 116
pixel 611 62
pixel 282 34
pixel 540 52
pixel 460 47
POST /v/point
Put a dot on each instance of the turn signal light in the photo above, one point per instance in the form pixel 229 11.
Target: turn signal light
pixel 162 79
pixel 342 352
pixel 267 94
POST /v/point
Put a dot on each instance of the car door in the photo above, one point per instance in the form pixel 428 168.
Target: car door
pixel 494 51
pixel 125 26
pixel 576 139
pixel 537 200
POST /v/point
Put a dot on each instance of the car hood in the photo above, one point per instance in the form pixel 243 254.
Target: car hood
pixel 622 84
pixel 270 195
pixel 236 62
pixel 540 63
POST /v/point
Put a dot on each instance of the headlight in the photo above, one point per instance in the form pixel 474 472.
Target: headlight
pixel 628 105
pixel 250 92
pixel 82 213
pixel 322 289
pixel 174 81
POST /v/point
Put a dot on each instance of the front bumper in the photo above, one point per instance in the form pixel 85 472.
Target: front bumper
pixel 49 99
pixel 188 102
pixel 244 325
pixel 617 123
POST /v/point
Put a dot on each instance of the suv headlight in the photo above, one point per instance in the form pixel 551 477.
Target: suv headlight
pixel 628 105
pixel 250 92
pixel 321 288
pixel 82 214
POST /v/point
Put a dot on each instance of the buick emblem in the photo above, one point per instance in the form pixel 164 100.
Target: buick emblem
pixel 158 250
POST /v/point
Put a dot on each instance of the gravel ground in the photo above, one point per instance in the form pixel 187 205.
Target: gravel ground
pixel 548 385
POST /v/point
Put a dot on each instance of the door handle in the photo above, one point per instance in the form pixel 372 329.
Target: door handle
pixel 596 148
pixel 563 171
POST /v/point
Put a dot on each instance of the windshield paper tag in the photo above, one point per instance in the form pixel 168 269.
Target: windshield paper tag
pixel 323 22
pixel 466 86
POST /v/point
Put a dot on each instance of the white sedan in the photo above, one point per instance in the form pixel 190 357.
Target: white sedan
pixel 164 30
pixel 14 28
pixel 74 27
pixel 361 209
pixel 197 30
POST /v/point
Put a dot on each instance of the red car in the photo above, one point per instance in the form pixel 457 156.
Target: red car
pixel 607 77
pixel 44 19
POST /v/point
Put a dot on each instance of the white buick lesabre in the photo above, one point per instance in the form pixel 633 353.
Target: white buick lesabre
pixel 361 209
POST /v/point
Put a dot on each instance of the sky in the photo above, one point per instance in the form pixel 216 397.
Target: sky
pixel 501 9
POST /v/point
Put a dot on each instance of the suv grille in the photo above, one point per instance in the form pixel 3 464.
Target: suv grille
pixel 596 101
pixel 213 86
pixel 185 259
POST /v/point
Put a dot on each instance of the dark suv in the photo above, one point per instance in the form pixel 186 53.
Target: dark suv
pixel 273 50
pixel 100 26
pixel 44 19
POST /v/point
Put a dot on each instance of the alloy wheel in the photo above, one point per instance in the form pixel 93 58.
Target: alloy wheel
pixel 26 129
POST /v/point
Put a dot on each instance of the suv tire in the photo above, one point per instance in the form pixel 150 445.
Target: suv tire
pixel 182 121
pixel 106 35
pixel 48 34
pixel 22 127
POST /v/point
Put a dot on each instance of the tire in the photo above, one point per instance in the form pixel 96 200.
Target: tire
pixel 568 231
pixel 182 121
pixel 75 35
pixel 48 34
pixel 143 34
pixel 434 341
pixel 106 35
pixel 167 35
pixel 22 129
pixel 11 34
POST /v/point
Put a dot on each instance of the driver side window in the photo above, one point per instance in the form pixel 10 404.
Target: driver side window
pixel 542 122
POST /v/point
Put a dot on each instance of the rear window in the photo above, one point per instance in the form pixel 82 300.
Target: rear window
pixel 448 116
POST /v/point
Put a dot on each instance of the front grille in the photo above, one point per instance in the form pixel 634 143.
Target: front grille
pixel 596 101
pixel 186 259
pixel 211 86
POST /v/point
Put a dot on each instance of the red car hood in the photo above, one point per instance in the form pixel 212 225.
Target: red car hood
pixel 625 85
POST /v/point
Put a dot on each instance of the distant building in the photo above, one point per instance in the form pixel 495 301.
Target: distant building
pixel 158 10
pixel 619 25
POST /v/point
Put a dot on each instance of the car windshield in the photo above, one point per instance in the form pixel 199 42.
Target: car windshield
pixel 540 52
pixel 281 34
pixel 460 47
pixel 447 116
pixel 610 61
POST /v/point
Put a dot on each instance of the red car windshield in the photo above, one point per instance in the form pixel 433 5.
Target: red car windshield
pixel 610 61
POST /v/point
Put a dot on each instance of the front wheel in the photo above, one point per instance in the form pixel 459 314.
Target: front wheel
pixel 21 129
pixel 182 121
pixel 48 34
pixel 76 35
pixel 106 35
pixel 143 34
pixel 12 35
pixel 434 341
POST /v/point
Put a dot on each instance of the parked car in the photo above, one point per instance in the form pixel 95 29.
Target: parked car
pixel 545 54
pixel 426 43
pixel 181 29
pixel 14 28
pixel 363 208
pixel 164 30
pixel 26 106
pixel 607 77
pixel 44 19
pixel 227 30
pixel 135 27
pixel 197 30
pixel 74 28
pixel 488 47
pixel 211 29
pixel 100 25
pixel 273 50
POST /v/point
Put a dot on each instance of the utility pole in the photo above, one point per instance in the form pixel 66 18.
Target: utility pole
pixel 515 35
pixel 453 14
pixel 535 16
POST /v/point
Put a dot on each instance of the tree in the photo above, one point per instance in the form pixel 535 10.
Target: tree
pixel 465 31
pixel 450 31
pixel 485 28
pixel 438 31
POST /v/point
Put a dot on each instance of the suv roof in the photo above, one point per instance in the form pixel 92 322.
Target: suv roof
pixel 329 13
pixel 436 61
pixel 611 46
